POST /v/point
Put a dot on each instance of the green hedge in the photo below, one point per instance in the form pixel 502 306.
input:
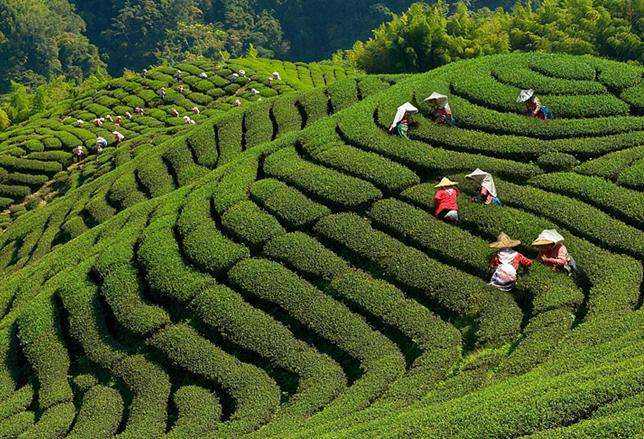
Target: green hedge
pixel 203 143
pixel 17 424
pixel 343 94
pixel 286 204
pixel 124 192
pixel 323 183
pixel 54 422
pixel 611 164
pixel 198 412
pixel 486 91
pixel 248 223
pixel 28 166
pixel 479 118
pixel 522 77
pixel 255 395
pixel 557 161
pixel 149 387
pixel 359 129
pixel 99 414
pixel 87 325
pixel 123 294
pixel 180 161
pixel 633 176
pixel 45 350
pixel 456 292
pixel 201 241
pixel 154 176
pixel 369 166
pixel 379 358
pixel 588 221
pixel 319 377
pixel 286 115
pixel 563 66
pixel 625 203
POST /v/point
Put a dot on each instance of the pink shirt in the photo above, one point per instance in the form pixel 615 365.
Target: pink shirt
pixel 555 256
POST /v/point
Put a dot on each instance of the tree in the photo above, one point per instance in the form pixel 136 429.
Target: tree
pixel 427 36
pixel 4 120
pixel 191 41
pixel 138 33
pixel 41 39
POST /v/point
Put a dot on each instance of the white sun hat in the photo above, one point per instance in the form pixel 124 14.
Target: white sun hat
pixel 548 237
pixel 437 98
pixel 407 107
pixel 485 179
pixel 525 95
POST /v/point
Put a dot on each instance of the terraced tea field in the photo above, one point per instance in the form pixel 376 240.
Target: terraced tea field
pixel 277 271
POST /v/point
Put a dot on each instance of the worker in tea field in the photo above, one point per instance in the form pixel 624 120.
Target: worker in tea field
pixel 442 112
pixel 487 189
pixel 118 137
pixel 446 200
pixel 506 262
pixel 174 112
pixel 139 111
pixel 553 253
pixel 188 121
pixel 402 120
pixel 533 107
pixel 195 110
pixel 162 93
pixel 101 143
pixel 78 153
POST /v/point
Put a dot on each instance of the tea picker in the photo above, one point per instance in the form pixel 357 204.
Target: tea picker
pixel 442 112
pixel 505 262
pixel 487 189
pixel 533 107
pixel 402 120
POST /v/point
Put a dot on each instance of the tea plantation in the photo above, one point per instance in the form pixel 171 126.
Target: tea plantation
pixel 276 270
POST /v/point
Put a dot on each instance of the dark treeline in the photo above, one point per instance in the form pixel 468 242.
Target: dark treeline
pixel 45 39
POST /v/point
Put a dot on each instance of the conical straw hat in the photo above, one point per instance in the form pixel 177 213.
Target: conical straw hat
pixel 436 97
pixel 446 182
pixel 504 241
pixel 548 237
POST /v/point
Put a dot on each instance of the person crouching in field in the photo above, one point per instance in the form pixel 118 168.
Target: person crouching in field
pixel 442 113
pixel 506 262
pixel 487 189
pixel 446 201
pixel 402 120
pixel 533 107
pixel 553 253
pixel 79 154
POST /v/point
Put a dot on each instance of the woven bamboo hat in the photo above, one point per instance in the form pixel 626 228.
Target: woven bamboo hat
pixel 504 241
pixel 446 182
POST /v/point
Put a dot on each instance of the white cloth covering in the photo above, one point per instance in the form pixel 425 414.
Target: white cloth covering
pixel 525 95
pixel 437 98
pixel 405 108
pixel 485 179
pixel 550 236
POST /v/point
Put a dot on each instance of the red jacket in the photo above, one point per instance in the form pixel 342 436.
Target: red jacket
pixel 446 199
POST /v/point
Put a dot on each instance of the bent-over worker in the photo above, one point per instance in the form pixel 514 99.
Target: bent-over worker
pixel 506 262
pixel 487 189
pixel 533 107
pixel 553 253
pixel 402 120
pixel 446 200
pixel 442 112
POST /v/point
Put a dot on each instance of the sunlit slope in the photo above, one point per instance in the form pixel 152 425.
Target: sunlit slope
pixel 39 150
pixel 152 170
pixel 302 288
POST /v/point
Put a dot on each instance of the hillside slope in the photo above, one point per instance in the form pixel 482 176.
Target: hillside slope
pixel 39 150
pixel 292 281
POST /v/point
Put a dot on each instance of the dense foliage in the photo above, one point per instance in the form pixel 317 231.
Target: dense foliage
pixel 42 39
pixel 277 270
pixel 427 36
